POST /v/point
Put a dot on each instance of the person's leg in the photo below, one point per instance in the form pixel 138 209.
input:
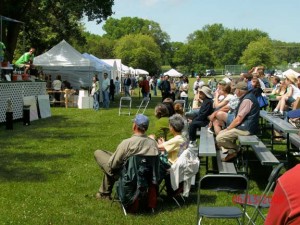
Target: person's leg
pixel 227 139
pixel 102 158
pixel 96 101
pixel 194 125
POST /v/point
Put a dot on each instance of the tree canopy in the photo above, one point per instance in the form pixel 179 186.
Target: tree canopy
pixel 139 51
pixel 47 21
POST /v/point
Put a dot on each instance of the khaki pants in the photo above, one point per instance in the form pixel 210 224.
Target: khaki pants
pixel 102 158
pixel 228 138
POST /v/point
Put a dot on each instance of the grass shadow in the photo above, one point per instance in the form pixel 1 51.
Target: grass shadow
pixel 22 167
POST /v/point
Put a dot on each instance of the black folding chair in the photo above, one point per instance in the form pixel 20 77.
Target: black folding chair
pixel 262 201
pixel 224 183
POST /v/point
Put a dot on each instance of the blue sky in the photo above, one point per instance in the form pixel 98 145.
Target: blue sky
pixel 179 18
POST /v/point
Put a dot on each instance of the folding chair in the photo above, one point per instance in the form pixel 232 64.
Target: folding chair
pixel 225 183
pixel 181 102
pixel 260 201
pixel 125 102
pixel 143 105
pixel 137 187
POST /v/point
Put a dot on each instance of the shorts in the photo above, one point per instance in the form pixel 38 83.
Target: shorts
pixel 230 118
pixel 289 101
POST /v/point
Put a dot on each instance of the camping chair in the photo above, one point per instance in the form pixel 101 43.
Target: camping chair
pixel 181 102
pixel 143 105
pixel 260 201
pixel 227 183
pixel 137 187
pixel 125 102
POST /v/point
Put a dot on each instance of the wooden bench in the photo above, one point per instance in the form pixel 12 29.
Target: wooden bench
pixel 207 148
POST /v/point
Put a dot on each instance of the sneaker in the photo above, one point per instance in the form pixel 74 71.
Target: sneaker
pixel 101 196
pixel 229 157
pixel 192 144
pixel 224 150
pixel 210 130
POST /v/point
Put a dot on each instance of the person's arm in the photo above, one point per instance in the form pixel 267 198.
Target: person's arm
pixel 117 159
pixel 205 110
pixel 290 91
pixel 279 209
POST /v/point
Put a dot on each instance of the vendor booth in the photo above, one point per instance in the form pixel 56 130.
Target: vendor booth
pixel 66 61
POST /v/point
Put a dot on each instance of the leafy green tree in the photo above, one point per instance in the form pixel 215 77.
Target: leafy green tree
pixel 117 28
pixel 231 45
pixel 139 51
pixel 260 52
pixel 47 21
pixel 101 47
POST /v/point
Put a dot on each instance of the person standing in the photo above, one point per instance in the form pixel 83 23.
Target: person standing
pixel 197 84
pixel 26 60
pixel 105 91
pixel 56 86
pixel 154 84
pixel 165 87
pixel 2 50
pixel 144 85
pixel 112 163
pixel 95 92
pixel 112 88
pixel 117 86
pixel 127 84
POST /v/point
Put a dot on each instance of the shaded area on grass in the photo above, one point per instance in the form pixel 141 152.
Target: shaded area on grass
pixel 21 166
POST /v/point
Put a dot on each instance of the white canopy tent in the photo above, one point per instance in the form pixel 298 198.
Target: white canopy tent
pixel 141 72
pixel 173 73
pixel 66 61
pixel 100 65
pixel 116 65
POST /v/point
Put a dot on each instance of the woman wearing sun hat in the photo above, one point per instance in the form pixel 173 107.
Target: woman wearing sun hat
pixel 292 94
pixel 201 120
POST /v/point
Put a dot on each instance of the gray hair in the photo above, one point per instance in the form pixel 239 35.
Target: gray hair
pixel 177 122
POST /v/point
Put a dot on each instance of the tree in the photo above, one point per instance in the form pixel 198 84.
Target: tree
pixel 117 28
pixel 99 46
pixel 259 52
pixel 47 21
pixel 139 51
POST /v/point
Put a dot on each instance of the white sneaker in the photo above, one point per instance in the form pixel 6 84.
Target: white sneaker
pixel 224 150
pixel 210 130
pixel 192 144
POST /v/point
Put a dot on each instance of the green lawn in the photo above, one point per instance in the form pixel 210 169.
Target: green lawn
pixel 48 173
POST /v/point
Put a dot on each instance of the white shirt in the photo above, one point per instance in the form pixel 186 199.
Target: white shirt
pixel 105 85
pixel 56 85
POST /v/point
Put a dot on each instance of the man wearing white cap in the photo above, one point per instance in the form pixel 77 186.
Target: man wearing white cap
pixel 111 163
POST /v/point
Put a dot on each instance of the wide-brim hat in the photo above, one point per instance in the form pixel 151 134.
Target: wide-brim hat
pixel 206 90
pixel 292 77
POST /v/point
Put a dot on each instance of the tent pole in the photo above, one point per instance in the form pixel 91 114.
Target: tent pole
pixel 1 29
pixel 23 37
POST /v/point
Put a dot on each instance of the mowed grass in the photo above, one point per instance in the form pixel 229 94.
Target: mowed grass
pixel 48 174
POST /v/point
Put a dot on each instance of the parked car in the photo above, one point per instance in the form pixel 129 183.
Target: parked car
pixel 210 72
